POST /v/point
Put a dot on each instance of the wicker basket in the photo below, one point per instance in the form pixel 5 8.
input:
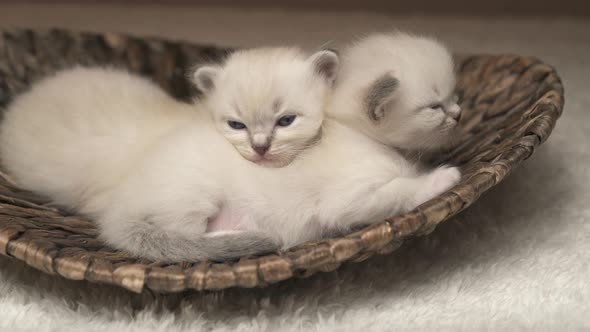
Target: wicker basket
pixel 510 105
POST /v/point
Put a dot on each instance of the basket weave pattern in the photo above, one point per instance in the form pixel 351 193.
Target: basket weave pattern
pixel 510 106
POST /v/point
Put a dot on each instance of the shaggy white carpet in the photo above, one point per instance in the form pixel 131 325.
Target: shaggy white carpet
pixel 519 259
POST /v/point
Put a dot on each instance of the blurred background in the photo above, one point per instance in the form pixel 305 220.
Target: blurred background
pixel 306 22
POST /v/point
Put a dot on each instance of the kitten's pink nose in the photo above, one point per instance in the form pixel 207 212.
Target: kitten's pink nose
pixel 261 149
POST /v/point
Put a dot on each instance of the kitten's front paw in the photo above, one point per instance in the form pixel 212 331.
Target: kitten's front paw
pixel 438 182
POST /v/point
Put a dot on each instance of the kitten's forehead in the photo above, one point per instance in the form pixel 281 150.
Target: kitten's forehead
pixel 444 87
pixel 434 80
pixel 264 83
pixel 263 115
pixel 262 98
pixel 265 64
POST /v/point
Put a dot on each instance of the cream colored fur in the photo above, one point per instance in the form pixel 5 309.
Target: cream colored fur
pixel 257 88
pixel 75 135
pixel 421 110
pixel 170 187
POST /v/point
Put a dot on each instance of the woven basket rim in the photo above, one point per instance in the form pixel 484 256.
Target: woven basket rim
pixel 303 260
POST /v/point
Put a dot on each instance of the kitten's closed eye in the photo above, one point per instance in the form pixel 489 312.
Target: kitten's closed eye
pixel 236 125
pixel 286 120
pixel 437 106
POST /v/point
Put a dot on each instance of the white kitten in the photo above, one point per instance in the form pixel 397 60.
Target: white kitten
pixel 90 131
pixel 398 89
pixel 267 102
pixel 75 135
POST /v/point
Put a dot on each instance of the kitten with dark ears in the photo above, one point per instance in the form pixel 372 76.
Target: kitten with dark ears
pixel 398 89
pixel 154 173
pixel 267 102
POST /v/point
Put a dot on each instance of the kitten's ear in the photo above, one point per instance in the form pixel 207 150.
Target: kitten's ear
pixel 204 78
pixel 326 63
pixel 380 93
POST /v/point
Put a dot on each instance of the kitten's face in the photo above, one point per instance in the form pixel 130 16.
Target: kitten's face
pixel 415 106
pixel 269 103
pixel 423 114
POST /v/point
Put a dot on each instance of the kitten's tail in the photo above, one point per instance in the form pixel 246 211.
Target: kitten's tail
pixel 160 245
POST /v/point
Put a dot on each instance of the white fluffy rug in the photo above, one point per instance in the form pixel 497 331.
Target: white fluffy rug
pixel 519 259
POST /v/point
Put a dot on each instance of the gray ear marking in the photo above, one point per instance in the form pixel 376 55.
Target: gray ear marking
pixel 204 78
pixel 379 93
pixel 326 63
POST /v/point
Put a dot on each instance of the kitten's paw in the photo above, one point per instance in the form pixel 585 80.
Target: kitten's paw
pixel 443 179
pixel 438 182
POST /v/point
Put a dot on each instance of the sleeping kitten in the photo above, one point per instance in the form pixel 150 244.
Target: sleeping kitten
pixel 269 118
pixel 398 89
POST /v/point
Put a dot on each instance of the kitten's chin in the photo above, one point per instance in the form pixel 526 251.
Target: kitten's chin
pixel 269 161
pixel 272 163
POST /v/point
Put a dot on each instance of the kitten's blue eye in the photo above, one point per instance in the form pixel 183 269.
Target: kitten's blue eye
pixel 236 125
pixel 286 120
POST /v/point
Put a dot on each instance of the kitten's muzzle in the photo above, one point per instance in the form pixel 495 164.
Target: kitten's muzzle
pixel 261 149
pixel 260 143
